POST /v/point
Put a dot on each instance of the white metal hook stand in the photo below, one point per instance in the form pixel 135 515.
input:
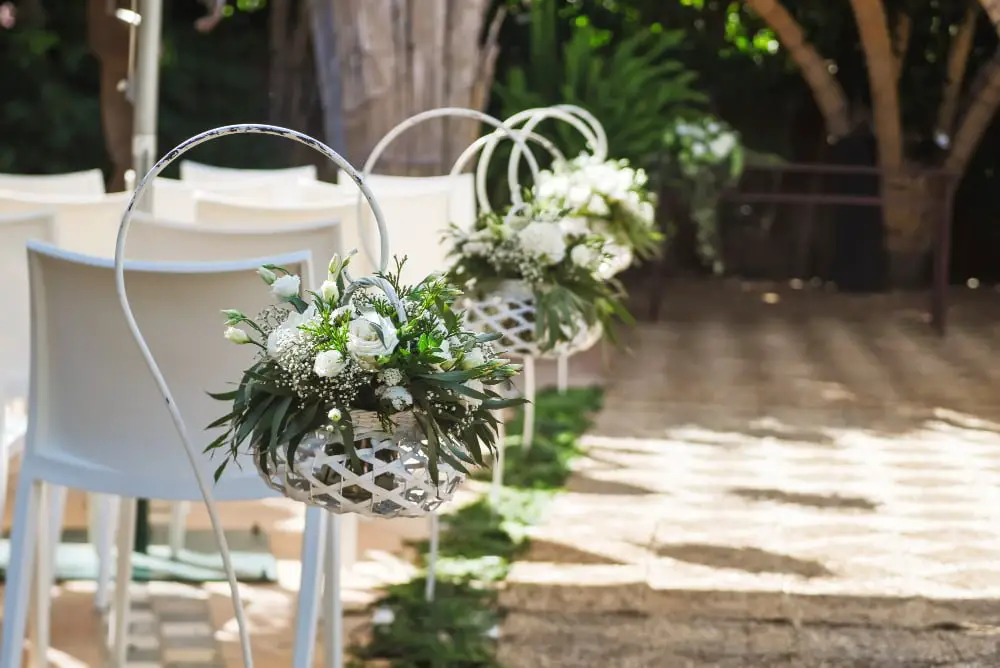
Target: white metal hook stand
pixel 178 421
pixel 443 112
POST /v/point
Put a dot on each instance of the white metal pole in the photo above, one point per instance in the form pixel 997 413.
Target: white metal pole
pixel 333 609
pixel 562 370
pixel 499 463
pixel 147 91
pixel 528 432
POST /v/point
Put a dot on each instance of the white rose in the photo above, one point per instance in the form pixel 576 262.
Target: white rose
pixel 334 415
pixel 329 291
pixel 397 397
pixel 722 145
pixel 473 358
pixel 476 385
pixel 236 335
pixel 286 286
pixel 267 275
pixel 371 336
pixel 574 226
pixel 329 363
pixel 544 241
pixel 578 195
pixel 585 257
pixel 647 212
pixel 552 186
pixel 597 206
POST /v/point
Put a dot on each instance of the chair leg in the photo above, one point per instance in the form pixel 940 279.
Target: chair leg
pixel 310 583
pixel 41 632
pixel 120 612
pixel 178 526
pixel 528 431
pixel 55 509
pixel 105 524
pixel 4 462
pixel 333 612
pixel 17 591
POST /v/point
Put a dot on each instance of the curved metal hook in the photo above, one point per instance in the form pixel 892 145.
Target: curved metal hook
pixel 154 369
pixel 416 119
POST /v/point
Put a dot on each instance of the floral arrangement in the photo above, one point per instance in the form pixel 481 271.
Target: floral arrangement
pixel 707 157
pixel 610 197
pixel 555 257
pixel 335 354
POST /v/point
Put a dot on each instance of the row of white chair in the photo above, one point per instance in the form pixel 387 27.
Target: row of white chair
pixel 96 420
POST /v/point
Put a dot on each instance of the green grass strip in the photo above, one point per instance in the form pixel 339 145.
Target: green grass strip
pixel 478 545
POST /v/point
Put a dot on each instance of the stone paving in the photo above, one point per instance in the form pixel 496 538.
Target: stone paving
pixel 773 486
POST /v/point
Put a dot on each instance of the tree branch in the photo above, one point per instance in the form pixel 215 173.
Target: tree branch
pixel 827 91
pixel 958 58
pixel 873 26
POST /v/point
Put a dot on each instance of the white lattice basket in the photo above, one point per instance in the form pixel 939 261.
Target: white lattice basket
pixel 510 310
pixel 393 479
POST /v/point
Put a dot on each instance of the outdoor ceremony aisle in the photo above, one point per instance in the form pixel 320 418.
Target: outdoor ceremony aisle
pixel 776 488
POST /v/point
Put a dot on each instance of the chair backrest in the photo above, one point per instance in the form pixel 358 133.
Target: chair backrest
pixel 87 225
pixel 89 182
pixel 97 420
pixel 222 212
pixel 175 200
pixel 462 189
pixel 416 219
pixel 154 240
pixel 202 173
pixel 15 233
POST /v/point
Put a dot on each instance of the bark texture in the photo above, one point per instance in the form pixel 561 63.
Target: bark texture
pixel 400 57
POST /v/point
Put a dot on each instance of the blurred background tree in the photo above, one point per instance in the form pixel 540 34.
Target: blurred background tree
pixel 786 76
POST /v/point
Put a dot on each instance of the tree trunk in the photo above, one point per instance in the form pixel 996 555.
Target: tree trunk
pixel 109 41
pixel 827 91
pixel 400 57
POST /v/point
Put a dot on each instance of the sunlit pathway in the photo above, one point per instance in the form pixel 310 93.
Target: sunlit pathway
pixel 777 490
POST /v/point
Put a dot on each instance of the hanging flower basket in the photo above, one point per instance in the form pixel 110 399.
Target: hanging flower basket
pixel 510 310
pixel 390 476
pixel 371 398
pixel 534 278
pixel 612 200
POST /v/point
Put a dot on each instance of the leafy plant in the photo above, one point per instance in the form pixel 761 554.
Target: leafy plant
pixel 630 83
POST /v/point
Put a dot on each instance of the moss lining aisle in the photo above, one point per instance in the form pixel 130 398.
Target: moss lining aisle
pixel 477 546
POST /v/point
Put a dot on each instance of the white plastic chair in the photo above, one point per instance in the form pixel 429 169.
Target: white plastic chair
pixel 87 183
pixel 15 232
pixel 97 419
pixel 416 221
pixel 155 240
pixel 87 225
pixel 244 214
pixel 461 188
pixel 175 200
pixel 203 173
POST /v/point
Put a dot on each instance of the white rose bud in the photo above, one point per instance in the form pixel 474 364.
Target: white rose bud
pixel 268 275
pixel 237 335
pixel 329 363
pixel 286 287
pixel 329 291
pixel 474 358
pixel 334 415
pixel 233 316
